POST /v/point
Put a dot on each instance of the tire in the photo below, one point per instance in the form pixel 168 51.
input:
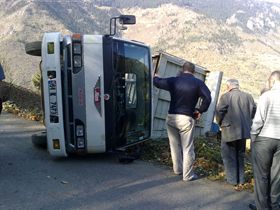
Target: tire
pixel 40 139
pixel 33 48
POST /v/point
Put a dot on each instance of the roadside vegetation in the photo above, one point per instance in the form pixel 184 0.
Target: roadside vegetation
pixel 34 114
pixel 27 112
pixel 23 102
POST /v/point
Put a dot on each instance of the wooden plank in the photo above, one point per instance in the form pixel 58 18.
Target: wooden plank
pixel 213 81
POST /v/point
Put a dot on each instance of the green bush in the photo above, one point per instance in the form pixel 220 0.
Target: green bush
pixel 36 80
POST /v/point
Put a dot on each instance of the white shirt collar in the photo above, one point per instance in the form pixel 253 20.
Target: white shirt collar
pixel 276 86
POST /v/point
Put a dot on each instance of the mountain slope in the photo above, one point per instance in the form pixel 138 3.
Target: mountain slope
pixel 237 37
pixel 209 42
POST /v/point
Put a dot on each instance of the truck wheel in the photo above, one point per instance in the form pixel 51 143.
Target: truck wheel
pixel 33 48
pixel 40 139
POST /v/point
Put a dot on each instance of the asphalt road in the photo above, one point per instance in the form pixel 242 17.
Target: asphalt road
pixel 31 179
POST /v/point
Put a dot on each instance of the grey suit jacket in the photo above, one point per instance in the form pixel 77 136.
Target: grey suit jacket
pixel 234 114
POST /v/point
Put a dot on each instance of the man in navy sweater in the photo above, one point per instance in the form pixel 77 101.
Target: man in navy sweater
pixel 185 90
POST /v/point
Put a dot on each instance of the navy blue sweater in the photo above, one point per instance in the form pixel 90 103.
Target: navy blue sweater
pixel 185 90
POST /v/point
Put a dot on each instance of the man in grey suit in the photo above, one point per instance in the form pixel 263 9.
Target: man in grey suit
pixel 234 115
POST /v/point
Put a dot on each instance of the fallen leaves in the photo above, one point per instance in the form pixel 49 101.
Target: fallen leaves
pixel 26 113
pixel 208 162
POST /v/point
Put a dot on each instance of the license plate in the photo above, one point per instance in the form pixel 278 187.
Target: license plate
pixel 52 97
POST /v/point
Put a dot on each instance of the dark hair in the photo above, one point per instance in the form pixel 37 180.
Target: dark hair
pixel 189 67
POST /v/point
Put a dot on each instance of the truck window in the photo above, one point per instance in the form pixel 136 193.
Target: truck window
pixel 132 63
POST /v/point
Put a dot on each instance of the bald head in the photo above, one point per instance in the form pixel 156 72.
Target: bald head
pixel 274 77
pixel 188 67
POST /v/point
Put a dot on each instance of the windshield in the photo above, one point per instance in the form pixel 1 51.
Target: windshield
pixel 132 68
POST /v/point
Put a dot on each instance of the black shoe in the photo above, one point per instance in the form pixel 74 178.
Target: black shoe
pixel 252 206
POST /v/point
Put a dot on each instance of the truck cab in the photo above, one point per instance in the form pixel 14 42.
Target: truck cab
pixel 96 91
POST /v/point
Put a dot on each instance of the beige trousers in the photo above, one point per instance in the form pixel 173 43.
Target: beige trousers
pixel 180 130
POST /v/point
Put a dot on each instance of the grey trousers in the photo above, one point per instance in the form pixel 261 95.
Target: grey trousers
pixel 233 158
pixel 266 166
pixel 1 105
pixel 180 129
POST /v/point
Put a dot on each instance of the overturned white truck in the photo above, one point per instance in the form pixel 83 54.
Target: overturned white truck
pixel 97 91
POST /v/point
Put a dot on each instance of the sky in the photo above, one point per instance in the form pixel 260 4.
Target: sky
pixel 274 1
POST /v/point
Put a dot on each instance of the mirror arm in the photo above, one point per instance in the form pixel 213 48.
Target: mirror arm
pixel 113 20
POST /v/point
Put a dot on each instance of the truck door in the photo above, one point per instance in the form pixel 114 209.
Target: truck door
pixel 128 82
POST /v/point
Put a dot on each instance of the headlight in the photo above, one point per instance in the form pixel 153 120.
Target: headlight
pixel 56 144
pixel 79 130
pixel 77 61
pixel 80 142
pixel 50 47
pixel 77 48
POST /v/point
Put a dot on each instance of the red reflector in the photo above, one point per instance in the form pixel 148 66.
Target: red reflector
pixel 81 96
pixel 97 94
pixel 76 36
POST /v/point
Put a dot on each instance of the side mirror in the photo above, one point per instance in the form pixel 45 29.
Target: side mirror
pixel 123 20
pixel 127 19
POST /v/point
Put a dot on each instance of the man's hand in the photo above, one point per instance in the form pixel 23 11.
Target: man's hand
pixel 197 115
pixel 156 75
pixel 253 137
